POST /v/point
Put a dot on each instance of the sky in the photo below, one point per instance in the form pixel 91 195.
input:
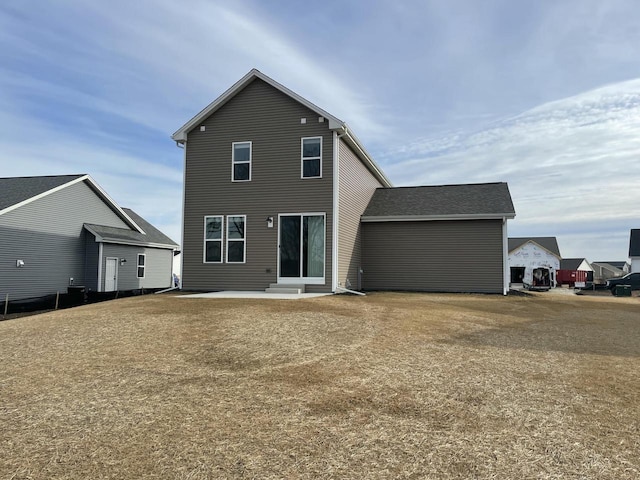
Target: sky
pixel 543 95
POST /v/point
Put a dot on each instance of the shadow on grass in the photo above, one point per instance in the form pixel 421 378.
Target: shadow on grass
pixel 618 335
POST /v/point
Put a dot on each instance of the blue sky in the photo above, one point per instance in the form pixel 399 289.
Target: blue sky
pixel 544 95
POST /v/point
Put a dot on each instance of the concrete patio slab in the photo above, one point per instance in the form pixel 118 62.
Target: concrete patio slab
pixel 260 295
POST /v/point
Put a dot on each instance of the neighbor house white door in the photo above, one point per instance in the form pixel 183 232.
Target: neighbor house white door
pixel 111 275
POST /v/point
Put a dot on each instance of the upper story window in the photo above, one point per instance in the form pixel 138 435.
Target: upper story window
pixel 312 157
pixel 213 239
pixel 236 238
pixel 241 162
pixel 142 258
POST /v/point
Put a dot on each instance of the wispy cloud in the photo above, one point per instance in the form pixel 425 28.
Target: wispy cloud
pixel 571 165
pixel 98 87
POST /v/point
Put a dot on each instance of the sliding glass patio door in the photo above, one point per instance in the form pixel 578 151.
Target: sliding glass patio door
pixel 301 248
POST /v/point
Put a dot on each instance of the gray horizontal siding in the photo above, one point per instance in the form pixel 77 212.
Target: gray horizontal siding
pixel 442 256
pixel 356 187
pixel 158 269
pixel 48 235
pixel 91 260
pixel 271 121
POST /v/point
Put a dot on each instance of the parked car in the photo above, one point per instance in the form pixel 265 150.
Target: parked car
pixel 632 279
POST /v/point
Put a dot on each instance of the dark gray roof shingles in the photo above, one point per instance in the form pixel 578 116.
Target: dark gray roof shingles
pixel 14 190
pixel 570 263
pixel 550 243
pixel 151 236
pixel 441 200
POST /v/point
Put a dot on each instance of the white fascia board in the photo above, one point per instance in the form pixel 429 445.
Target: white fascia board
pixel 102 239
pixel 137 244
pixel 180 135
pixel 368 160
pixel 431 218
pixel 44 194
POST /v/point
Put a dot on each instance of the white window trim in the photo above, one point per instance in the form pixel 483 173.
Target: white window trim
pixel 306 280
pixel 233 160
pixel 205 239
pixel 244 240
pixel 302 157
pixel 138 266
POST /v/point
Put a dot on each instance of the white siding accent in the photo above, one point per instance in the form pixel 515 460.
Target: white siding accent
pixel 533 256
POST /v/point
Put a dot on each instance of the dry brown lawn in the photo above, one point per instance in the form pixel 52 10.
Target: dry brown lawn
pixel 385 386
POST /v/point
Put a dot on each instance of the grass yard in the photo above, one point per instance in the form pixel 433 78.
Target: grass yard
pixel 385 386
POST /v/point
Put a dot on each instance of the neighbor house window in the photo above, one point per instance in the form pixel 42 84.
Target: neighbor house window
pixel 213 239
pixel 241 162
pixel 142 259
pixel 236 238
pixel 312 157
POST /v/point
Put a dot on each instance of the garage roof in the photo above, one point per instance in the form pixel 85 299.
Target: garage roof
pixel 441 202
pixel 151 238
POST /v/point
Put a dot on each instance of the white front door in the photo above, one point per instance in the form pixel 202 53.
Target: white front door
pixel 111 275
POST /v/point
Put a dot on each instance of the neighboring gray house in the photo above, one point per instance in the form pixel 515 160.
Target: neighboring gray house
pixel 61 231
pixel 634 250
pixel 620 265
pixel 274 192
pixel 533 252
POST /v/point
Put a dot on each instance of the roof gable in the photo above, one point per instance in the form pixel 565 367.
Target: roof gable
pixel 18 191
pixel 180 136
pixel 573 263
pixel 634 243
pixel 442 202
pixel 548 243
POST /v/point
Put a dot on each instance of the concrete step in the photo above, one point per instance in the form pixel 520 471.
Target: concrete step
pixel 285 288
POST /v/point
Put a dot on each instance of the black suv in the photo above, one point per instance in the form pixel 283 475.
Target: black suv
pixel 632 279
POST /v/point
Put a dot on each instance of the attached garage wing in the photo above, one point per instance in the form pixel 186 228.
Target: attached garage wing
pixel 445 238
pixel 438 256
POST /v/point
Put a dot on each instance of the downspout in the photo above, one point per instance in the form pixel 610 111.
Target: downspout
pixel 336 207
pixel 184 192
pixel 336 204
pixel 505 258
pixel 346 290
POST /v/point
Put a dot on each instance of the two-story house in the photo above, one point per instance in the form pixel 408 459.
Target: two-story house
pixel 275 190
